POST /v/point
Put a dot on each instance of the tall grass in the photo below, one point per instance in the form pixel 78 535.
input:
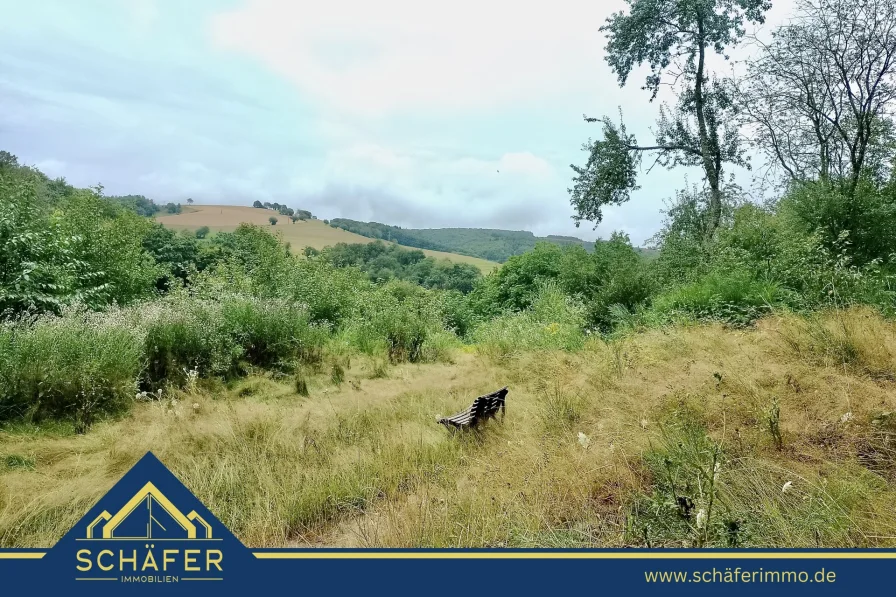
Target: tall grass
pixel 77 365
pixel 553 322
pixel 734 297
pixel 858 338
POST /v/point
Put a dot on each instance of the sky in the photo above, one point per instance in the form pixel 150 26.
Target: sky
pixel 417 114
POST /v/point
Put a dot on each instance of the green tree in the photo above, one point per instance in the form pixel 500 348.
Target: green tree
pixel 202 232
pixel 673 38
pixel 273 221
pixel 819 95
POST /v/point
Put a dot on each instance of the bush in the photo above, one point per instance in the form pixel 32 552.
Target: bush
pixel 399 320
pixel 554 322
pixel 78 366
pixel 733 297
pixel 868 217
pixel 214 337
pixel 186 335
pixel 272 333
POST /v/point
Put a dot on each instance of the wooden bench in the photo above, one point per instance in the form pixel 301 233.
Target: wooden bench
pixel 483 408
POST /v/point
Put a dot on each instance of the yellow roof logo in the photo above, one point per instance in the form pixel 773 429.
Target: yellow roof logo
pixel 149 515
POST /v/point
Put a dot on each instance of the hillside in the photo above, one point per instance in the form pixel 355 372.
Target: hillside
pixel 486 243
pixel 308 233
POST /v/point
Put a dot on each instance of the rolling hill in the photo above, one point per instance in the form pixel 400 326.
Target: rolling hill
pixel 485 243
pixel 308 233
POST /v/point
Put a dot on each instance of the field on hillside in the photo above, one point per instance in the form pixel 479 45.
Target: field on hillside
pixel 310 233
pixel 782 435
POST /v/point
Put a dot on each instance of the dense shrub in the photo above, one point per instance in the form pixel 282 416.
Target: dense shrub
pixel 399 320
pixel 555 321
pixel 76 366
pixel 734 297
pixel 383 262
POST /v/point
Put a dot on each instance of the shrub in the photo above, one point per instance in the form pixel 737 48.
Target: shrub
pixel 397 319
pixel 271 333
pixel 554 322
pixel 213 337
pixel 80 365
pixel 733 297
pixel 186 335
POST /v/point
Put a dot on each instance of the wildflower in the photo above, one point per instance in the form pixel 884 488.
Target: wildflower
pixel 787 487
pixel 701 519
pixel 643 423
pixel 195 407
pixel 584 440
pixel 846 418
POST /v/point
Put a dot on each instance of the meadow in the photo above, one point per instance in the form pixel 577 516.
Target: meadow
pixel 301 234
pixel 696 435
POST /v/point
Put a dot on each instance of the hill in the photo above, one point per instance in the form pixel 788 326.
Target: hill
pixel 301 234
pixel 485 243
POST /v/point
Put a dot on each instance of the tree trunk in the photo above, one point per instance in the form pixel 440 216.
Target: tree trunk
pixel 711 159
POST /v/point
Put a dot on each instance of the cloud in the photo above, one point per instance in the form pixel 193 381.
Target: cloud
pixel 377 58
pixel 418 114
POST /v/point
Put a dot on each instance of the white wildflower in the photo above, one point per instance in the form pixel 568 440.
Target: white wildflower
pixel 787 487
pixel 195 407
pixel 846 418
pixel 701 519
pixel 643 423
pixel 584 440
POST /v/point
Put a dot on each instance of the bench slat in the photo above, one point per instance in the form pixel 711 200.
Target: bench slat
pixel 483 407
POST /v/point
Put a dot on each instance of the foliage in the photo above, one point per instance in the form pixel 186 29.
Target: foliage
pixel 76 366
pixel 555 321
pixel 137 203
pixel 494 245
pixel 383 262
pixel 818 96
pixel 700 130
pixel 614 274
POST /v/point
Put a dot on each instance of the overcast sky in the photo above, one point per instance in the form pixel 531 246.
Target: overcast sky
pixel 419 114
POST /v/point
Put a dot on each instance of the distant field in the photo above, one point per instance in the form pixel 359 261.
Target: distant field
pixel 310 233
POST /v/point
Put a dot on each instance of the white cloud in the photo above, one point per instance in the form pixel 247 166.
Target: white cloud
pixel 375 58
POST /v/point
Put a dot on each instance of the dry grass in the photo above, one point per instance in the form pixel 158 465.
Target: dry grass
pixel 310 233
pixel 364 464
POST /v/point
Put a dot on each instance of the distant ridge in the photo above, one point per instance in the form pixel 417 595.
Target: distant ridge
pixel 485 243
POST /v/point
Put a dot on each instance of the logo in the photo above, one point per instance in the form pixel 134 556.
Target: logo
pixel 149 529
pixel 150 517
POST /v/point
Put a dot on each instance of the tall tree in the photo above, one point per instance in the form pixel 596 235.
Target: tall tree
pixel 674 38
pixel 819 96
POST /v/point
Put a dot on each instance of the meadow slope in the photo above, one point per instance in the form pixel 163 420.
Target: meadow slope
pixel 309 233
pixel 784 431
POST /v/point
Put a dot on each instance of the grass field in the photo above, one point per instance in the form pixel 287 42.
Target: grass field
pixel 310 233
pixel 782 435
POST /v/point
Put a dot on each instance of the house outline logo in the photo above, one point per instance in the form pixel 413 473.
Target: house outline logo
pixel 192 524
pixel 149 528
